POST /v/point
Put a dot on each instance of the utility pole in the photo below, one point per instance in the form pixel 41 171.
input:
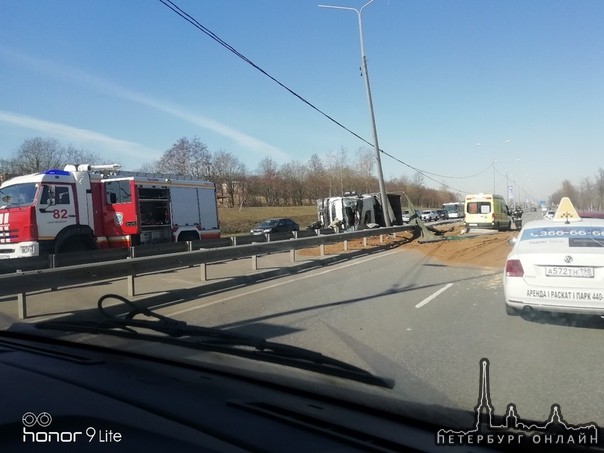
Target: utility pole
pixel 383 196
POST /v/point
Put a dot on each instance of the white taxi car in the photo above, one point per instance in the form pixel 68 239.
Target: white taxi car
pixel 557 265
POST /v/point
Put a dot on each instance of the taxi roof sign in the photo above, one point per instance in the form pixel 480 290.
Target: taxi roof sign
pixel 566 211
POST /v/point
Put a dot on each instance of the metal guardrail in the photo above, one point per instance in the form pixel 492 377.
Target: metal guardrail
pixel 10 266
pixel 88 269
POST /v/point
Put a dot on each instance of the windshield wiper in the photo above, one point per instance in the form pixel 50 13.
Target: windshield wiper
pixel 211 339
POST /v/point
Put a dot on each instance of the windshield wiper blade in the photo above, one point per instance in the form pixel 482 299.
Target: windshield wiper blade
pixel 206 338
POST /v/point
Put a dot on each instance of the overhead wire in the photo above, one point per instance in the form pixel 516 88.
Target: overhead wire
pixel 216 38
pixel 186 16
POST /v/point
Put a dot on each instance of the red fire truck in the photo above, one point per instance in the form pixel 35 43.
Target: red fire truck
pixel 98 206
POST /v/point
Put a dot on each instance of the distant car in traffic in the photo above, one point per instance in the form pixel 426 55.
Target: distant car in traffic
pixel 442 214
pixel 277 225
pixel 556 265
pixel 428 215
pixel 549 214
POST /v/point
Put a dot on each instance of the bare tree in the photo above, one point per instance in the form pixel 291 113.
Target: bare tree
pixel 316 179
pixel 186 157
pixel 336 163
pixel 294 176
pixel 417 191
pixel 586 194
pixel 147 167
pixel 599 189
pixel 38 154
pixel 364 169
pixel 269 181
pixel 399 184
pixel 567 190
pixel 73 155
pixel 230 177
pixel 7 170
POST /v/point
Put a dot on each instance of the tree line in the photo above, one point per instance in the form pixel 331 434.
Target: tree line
pixel 39 154
pixel 293 183
pixel 588 195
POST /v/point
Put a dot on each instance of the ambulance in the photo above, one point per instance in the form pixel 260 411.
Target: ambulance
pixel 488 211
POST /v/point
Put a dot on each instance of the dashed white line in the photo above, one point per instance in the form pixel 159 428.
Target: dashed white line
pixel 434 295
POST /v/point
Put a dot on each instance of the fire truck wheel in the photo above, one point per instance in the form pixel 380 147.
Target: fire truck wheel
pixel 188 236
pixel 75 244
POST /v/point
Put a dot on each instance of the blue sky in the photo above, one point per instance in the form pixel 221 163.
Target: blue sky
pixel 456 84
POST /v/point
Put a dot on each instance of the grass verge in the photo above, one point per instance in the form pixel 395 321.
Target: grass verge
pixel 240 220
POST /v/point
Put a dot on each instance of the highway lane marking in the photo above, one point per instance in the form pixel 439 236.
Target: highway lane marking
pixel 434 295
pixel 275 285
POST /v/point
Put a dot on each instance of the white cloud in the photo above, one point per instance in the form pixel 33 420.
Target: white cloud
pixel 242 139
pixel 61 71
pixel 75 134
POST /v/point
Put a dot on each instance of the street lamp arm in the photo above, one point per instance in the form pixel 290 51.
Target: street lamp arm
pixel 366 4
pixel 348 7
pixel 359 18
pixel 338 7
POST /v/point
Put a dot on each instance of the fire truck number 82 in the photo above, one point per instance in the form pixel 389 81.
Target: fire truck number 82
pixel 59 213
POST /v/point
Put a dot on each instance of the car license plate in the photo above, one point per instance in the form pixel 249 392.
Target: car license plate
pixel 569 271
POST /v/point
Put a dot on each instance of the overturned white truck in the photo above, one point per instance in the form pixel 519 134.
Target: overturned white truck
pixel 357 212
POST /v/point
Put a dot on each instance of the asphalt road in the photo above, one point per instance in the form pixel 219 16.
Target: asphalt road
pixel 394 312
pixel 427 325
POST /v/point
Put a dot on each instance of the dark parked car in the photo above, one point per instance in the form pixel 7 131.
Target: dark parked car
pixel 275 226
pixel 442 214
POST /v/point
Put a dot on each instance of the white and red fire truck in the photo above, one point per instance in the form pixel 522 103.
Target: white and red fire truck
pixel 98 206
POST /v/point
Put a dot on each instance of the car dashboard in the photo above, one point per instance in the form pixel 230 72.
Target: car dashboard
pixel 60 397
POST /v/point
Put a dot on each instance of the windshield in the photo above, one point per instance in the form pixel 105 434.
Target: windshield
pixel 453 208
pixel 17 195
pixel 229 165
pixel 268 223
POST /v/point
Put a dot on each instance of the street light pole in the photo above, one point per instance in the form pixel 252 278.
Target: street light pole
pixel 383 196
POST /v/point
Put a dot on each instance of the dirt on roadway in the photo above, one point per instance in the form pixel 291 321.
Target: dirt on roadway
pixel 477 248
pixel 480 249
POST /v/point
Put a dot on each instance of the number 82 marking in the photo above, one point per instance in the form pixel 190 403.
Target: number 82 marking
pixel 59 213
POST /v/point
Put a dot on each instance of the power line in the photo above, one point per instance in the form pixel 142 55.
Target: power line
pixel 220 41
pixel 186 16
